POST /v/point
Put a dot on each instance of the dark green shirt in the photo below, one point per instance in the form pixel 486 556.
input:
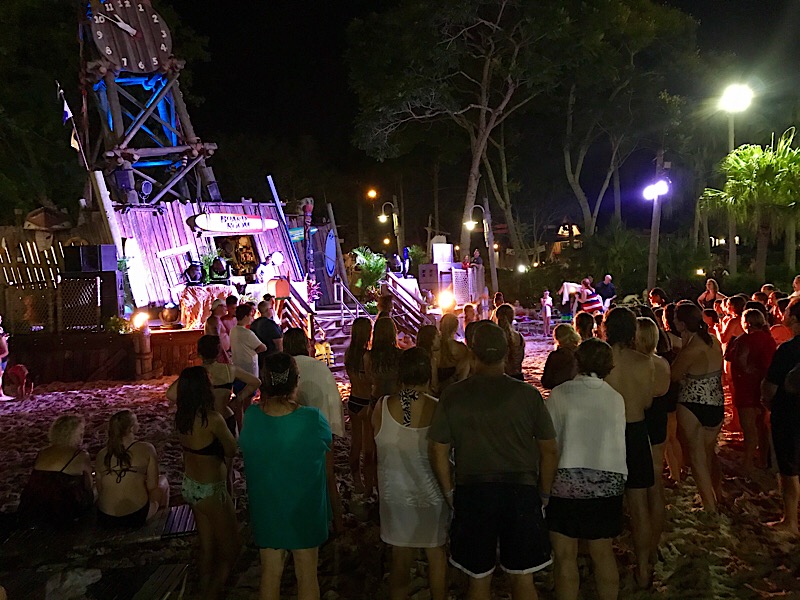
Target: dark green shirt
pixel 493 423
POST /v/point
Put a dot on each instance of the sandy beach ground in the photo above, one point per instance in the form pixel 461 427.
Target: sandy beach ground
pixel 730 556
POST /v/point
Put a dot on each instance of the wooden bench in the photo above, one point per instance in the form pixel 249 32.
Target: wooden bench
pixel 144 583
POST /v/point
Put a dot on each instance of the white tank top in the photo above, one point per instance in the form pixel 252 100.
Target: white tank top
pixel 405 476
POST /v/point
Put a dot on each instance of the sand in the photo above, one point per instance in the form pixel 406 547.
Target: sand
pixel 730 556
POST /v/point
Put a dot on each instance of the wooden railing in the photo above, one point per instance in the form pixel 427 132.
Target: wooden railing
pixel 296 312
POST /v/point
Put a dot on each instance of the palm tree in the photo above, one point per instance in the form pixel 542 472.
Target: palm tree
pixel 760 191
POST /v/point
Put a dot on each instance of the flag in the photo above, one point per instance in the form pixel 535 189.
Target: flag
pixel 74 141
pixel 67 114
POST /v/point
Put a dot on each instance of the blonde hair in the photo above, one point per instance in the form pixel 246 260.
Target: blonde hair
pixel 646 335
pixel 67 430
pixel 565 335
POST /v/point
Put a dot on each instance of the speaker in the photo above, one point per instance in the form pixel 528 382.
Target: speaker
pixel 88 300
pixel 90 259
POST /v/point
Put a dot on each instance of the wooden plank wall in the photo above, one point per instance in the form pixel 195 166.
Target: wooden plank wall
pixel 157 232
pixel 175 350
pixel 75 356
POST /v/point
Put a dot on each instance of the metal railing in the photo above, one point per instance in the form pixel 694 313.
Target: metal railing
pixel 412 314
pixel 341 294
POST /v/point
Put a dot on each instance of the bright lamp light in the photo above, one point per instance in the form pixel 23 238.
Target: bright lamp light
pixel 446 300
pixel 470 225
pixel 736 98
pixel 140 320
pixel 656 190
pixel 386 241
pixel 521 268
pixel 382 218
pixel 372 194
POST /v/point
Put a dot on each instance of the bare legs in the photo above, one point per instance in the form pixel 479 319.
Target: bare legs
pixel 305 567
pixel 522 588
pixel 400 575
pixel 219 544
pixel 755 436
pixel 673 451
pixel 641 529
pixel 159 497
pixel 790 492
pixel 567 580
pixel 357 425
pixel 656 502
pixel 702 456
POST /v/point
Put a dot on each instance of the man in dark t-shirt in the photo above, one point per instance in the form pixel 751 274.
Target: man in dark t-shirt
pixel 505 461
pixel 267 330
pixel 606 290
pixel 780 394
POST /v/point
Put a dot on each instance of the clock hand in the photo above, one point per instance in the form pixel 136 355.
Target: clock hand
pixel 121 24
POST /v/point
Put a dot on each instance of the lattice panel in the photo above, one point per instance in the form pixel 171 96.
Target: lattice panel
pixel 461 286
pixel 29 308
pixel 79 304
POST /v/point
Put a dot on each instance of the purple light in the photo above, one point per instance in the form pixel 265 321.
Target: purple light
pixel 654 191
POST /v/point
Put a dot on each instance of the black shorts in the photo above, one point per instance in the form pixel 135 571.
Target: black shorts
pixel 786 441
pixel 134 519
pixel 585 519
pixel 708 415
pixel 656 419
pixel 510 515
pixel 638 456
pixel 356 405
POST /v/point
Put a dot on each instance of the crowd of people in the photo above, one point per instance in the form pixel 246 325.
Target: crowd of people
pixel 466 458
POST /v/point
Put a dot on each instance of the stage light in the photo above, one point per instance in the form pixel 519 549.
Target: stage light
pixel 446 300
pixel 140 320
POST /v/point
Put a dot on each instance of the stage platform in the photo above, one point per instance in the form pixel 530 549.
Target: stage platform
pixel 88 356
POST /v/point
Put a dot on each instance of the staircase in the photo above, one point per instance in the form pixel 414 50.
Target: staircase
pixel 337 332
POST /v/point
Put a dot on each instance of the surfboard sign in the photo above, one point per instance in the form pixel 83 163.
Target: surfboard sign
pixel 233 223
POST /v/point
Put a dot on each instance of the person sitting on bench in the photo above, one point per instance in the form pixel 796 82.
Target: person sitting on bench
pixel 130 486
pixel 59 490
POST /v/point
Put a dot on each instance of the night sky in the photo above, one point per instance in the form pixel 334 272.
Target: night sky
pixel 277 67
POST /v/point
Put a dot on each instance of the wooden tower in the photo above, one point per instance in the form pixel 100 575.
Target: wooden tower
pixel 141 137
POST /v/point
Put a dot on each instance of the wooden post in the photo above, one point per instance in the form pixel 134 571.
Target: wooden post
pixel 144 353
pixel 117 125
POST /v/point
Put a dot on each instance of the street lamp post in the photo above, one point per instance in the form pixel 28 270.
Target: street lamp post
pixel 736 98
pixel 488 236
pixel 654 192
pixel 398 230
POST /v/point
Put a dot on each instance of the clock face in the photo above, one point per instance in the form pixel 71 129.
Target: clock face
pixel 130 34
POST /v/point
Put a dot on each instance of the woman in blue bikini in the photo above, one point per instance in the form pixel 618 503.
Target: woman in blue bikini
pixel 207 442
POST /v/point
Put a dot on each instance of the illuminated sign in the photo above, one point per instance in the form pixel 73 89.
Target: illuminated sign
pixel 297 234
pixel 233 223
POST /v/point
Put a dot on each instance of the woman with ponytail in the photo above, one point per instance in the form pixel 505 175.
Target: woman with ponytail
pixel 701 402
pixel 130 486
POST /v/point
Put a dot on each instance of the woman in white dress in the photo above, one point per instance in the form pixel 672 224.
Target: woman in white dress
pixel 413 510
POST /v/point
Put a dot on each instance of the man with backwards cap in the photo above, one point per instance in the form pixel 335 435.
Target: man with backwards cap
pixel 505 461
pixel 214 326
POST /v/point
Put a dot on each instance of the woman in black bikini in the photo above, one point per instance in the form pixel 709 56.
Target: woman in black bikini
pixel 360 394
pixel 710 295
pixel 60 487
pixel 701 402
pixel 207 443
pixel 129 484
